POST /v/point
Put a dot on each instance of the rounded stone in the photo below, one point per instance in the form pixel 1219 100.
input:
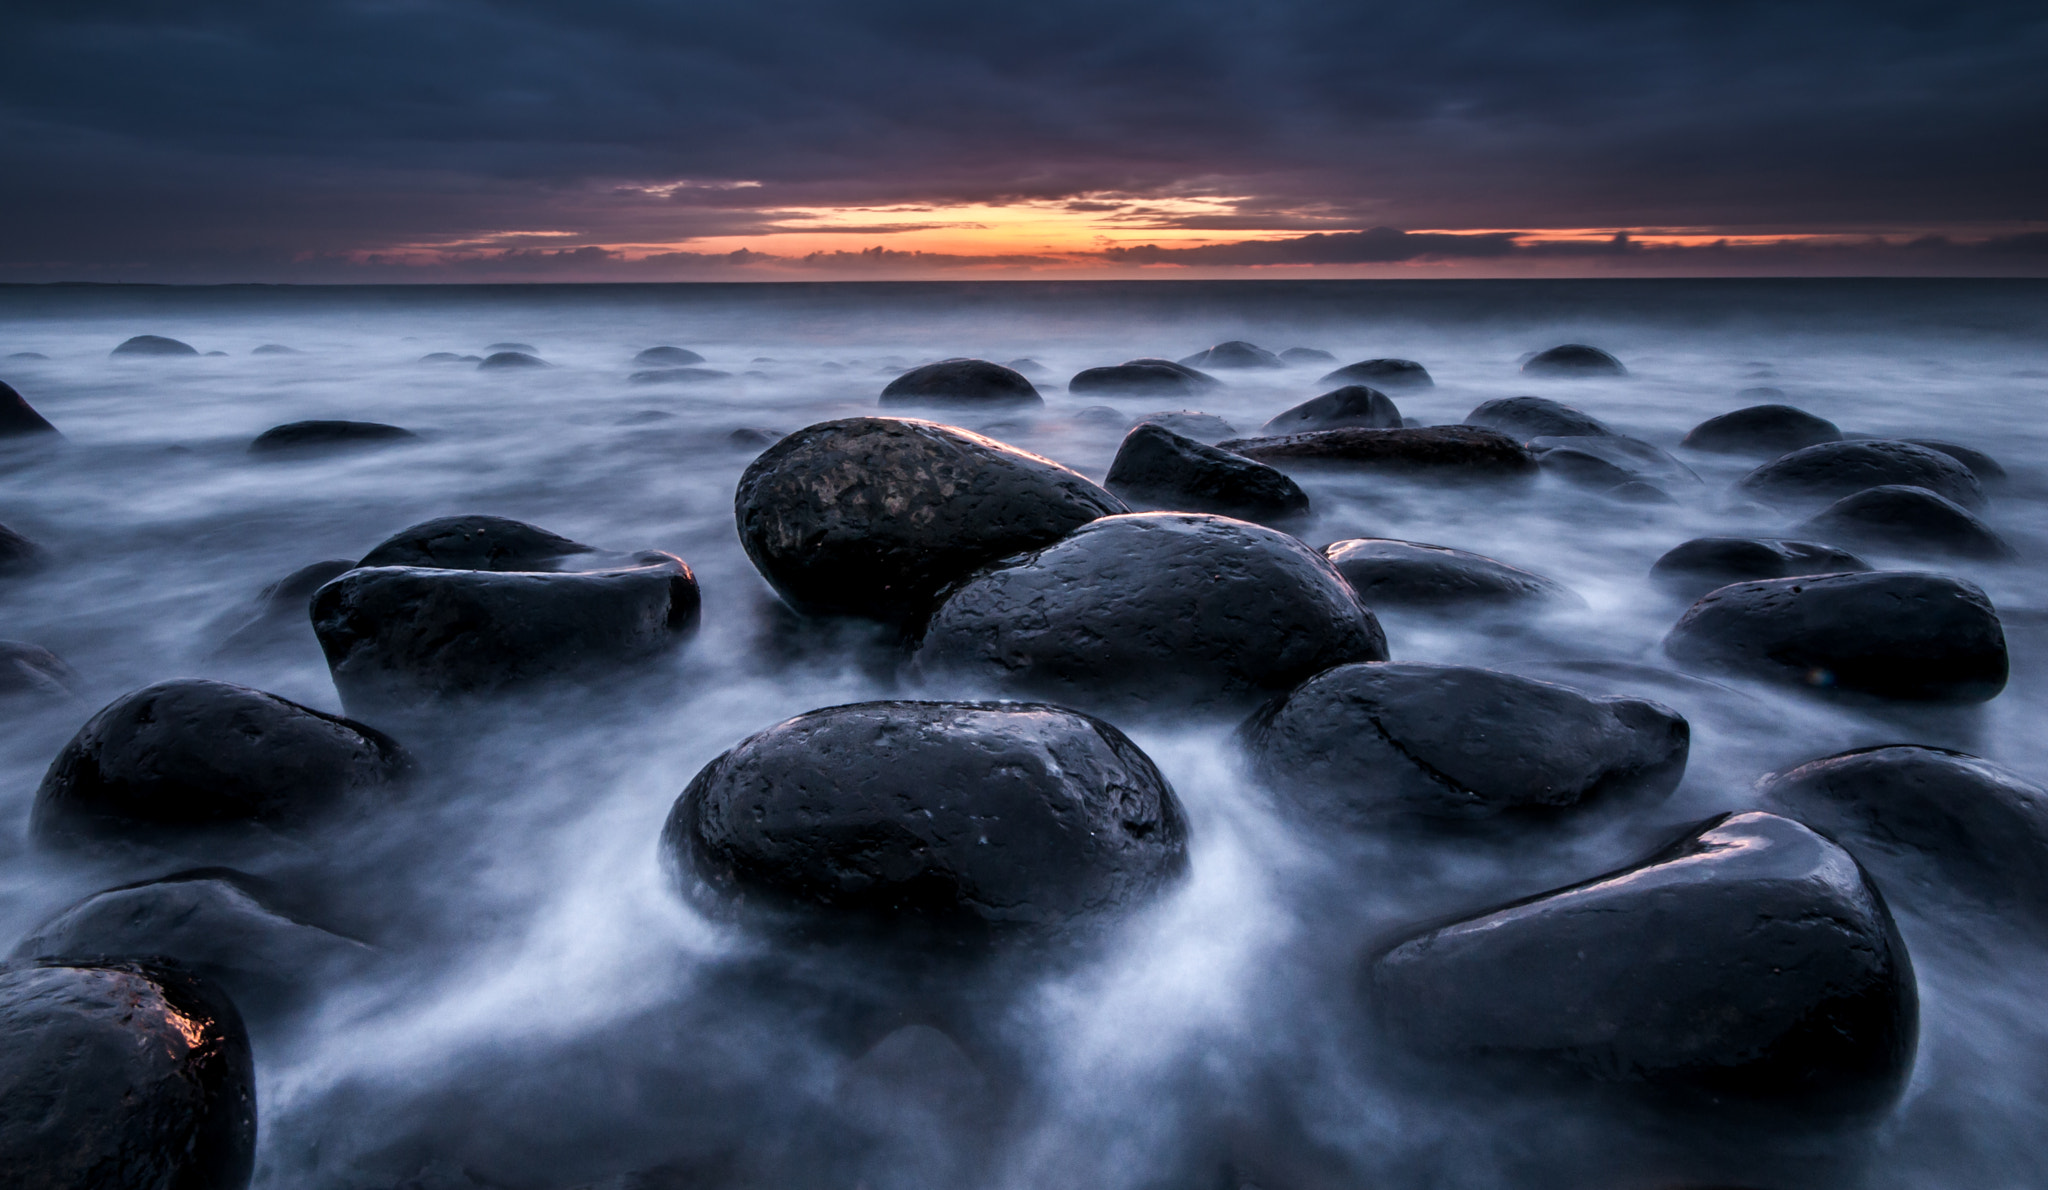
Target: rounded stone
pixel 1827 472
pixel 32 672
pixel 275 349
pixel 1189 423
pixel 1156 468
pixel 1200 378
pixel 679 376
pixel 1764 431
pixel 1150 380
pixel 1353 405
pixel 449 357
pixel 1703 564
pixel 975 382
pixel 154 345
pixel 1410 574
pixel 1573 359
pixel 19 555
pixel 1234 354
pixel 678 356
pixel 18 417
pixel 1382 373
pixel 1908 520
pixel 522 348
pixel 304 437
pixel 510 360
pixel 474 542
pixel 1523 418
pixel 1300 356
pixel 1603 461
pixel 1453 453
pixel 1989 472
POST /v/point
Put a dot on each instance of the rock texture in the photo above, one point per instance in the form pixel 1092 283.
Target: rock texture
pixel 305 437
pixel 1411 574
pixel 1698 566
pixel 1455 453
pixel 970 382
pixel 1827 472
pixel 1353 405
pixel 1156 468
pixel 1763 431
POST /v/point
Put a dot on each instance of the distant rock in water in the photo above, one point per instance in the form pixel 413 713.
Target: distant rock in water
pixel 521 348
pixel 1389 573
pixel 1988 471
pixel 1523 418
pixel 1910 520
pixel 449 357
pixel 154 345
pixel 961 382
pixel 755 438
pixel 1189 423
pixel 1705 563
pixel 1603 461
pixel 474 542
pixel 1382 373
pixel 1156 468
pixel 33 673
pixel 1765 431
pixel 1573 359
pixel 668 355
pixel 1200 378
pixel 1458 453
pixel 18 417
pixel 1353 405
pixel 1235 354
pixel 19 555
pixel 501 360
pixel 278 613
pixel 1295 357
pixel 27 355
pixel 276 349
pixel 307 437
pixel 1152 380
pixel 1831 470
pixel 679 376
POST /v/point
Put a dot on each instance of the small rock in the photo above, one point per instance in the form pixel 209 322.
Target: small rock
pixel 1410 574
pixel 303 437
pixel 679 356
pixel 1988 471
pixel 1156 468
pixel 1523 418
pixel 1435 452
pixel 1910 520
pixel 643 417
pixel 18 417
pixel 1149 380
pixel 27 355
pixel 154 345
pixel 1604 461
pixel 1827 472
pixel 755 438
pixel 1105 415
pixel 1202 427
pixel 449 357
pixel 1382 373
pixel 281 608
pixel 276 349
pixel 1638 491
pixel 1705 563
pixel 1235 354
pixel 218 354
pixel 678 376
pixel 521 348
pixel 32 672
pixel 19 555
pixel 1027 367
pixel 1299 356
pixel 1352 405
pixel 501 360
pixel 1764 431
pixel 961 381
pixel 1573 359
pixel 474 542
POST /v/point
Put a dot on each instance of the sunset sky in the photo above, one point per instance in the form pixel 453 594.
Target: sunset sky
pixel 503 140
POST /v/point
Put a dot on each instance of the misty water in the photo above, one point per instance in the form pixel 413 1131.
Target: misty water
pixel 543 1010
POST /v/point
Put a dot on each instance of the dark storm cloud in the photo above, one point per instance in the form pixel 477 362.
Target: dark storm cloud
pixel 230 135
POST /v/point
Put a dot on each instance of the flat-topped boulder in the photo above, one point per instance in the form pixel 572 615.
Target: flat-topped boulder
pixel 968 382
pixel 1523 418
pixel 474 541
pixel 1234 354
pixel 1825 473
pixel 1908 520
pixel 1156 468
pixel 1763 431
pixel 1412 574
pixel 1353 405
pixel 310 437
pixel 1382 373
pixel 1458 453
pixel 1573 359
pixel 1696 567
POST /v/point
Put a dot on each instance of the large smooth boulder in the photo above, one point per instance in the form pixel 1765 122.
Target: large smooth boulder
pixel 969 382
pixel 1360 744
pixel 122 1076
pixel 1156 468
pixel 1149 380
pixel 1751 961
pixel 1353 405
pixel 18 417
pixel 871 516
pixel 19 555
pixel 1605 460
pixel 968 820
pixel 278 613
pixel 154 345
pixel 307 437
pixel 1890 634
pixel 474 542
pixel 1764 431
pixel 510 361
pixel 1411 574
pixel 1152 610
pixel 1827 472
pixel 1234 354
pixel 1573 359
pixel 1456 453
pixel 1928 823
pixel 1523 418
pixel 676 356
pixel 1200 378
pixel 1910 520
pixel 1990 472
pixel 1696 567
pixel 1382 373
pixel 191 756
pixel 402 638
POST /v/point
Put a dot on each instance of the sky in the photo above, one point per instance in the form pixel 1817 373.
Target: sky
pixel 636 140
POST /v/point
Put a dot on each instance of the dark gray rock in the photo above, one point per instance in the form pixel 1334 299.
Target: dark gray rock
pixel 1467 453
pixel 1698 566
pixel 1201 379
pixel 122 1076
pixel 968 821
pixel 1156 468
pixel 1150 380
pixel 1604 461
pixel 1573 359
pixel 449 357
pixel 678 356
pixel 1752 961
pixel 871 516
pixel 1361 744
pixel 1189 423
pixel 1763 431
pixel 154 345
pixel 19 555
pixel 35 673
pixel 1382 373
pixel 474 542
pixel 972 382
pixel 1908 520
pixel 1234 354
pixel 1989 472
pixel 193 756
pixel 755 437
pixel 1352 405
pixel 1152 610
pixel 509 360
pixel 18 417
pixel 1827 472
pixel 1302 356
pixel 1027 367
pixel 280 610
pixel 1523 418
pixel 276 349
pixel 1410 574
pixel 678 376
pixel 522 348
pixel 1888 634
pixel 27 355
pixel 218 354
pixel 307 437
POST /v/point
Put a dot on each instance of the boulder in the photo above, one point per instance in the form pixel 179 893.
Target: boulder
pixel 27 355
pixel 1352 405
pixel 1604 461
pixel 1361 744
pixel 1202 379
pixel 305 437
pixel 1909 520
pixel 968 821
pixel 1149 380
pixel 1410 574
pixel 677 356
pixel 474 542
pixel 154 345
pixel 401 638
pixel 194 756
pixel 1764 431
pixel 1827 472
pixel 1928 823
pixel 522 348
pixel 971 382
pixel 18 417
pixel 1698 566
pixel 449 357
pixel 1752 961
pixel 1190 423
pixel 32 672
pixel 1989 472
pixel 276 349
pixel 678 376
pixel 1382 373
pixel 218 354
pixel 280 609
pixel 1573 359
pixel 1027 367
pixel 122 1076
pixel 1889 634
pixel 504 360
pixel 1159 610
pixel 1235 354
pixel 1301 356
pixel 1156 468
pixel 871 516
pixel 19 555
pixel 755 437
pixel 1434 452
pixel 1523 418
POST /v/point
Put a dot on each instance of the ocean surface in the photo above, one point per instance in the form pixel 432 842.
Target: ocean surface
pixel 547 1013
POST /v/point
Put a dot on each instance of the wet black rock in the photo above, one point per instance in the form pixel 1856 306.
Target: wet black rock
pixel 449 357
pixel 1411 574
pixel 871 516
pixel 474 542
pixel 1434 452
pixel 276 349
pixel 1382 373
pixel 18 417
pixel 1827 472
pixel 678 376
pixel 1764 431
pixel 1202 379
pixel 680 356
pixel 1989 472
pixel 1523 418
pixel 280 609
pixel 1150 380
pixel 1928 823
pixel 1353 405
pixel 1573 359
pixel 305 437
pixel 32 672
pixel 1603 462
pixel 193 756
pixel 401 638
pixel 522 348
pixel 1156 468
pixel 501 360
pixel 1301 356
pixel 1235 354
pixel 1889 634
pixel 1153 610
pixel 971 821
pixel 19 555
pixel 122 1076
pixel 1752 961
pixel 1698 566
pixel 154 345
pixel 961 382
pixel 1365 743
pixel 1189 423
pixel 1908 520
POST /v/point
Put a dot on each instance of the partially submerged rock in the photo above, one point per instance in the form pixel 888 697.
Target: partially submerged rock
pixel 34 673
pixel 674 356
pixel 1300 356
pixel 1603 461
pixel 1151 380
pixel 1827 472
pixel 1411 574
pixel 510 361
pixel 1910 520
pixel 1382 373
pixel 678 376
pixel 1156 468
pixel 154 345
pixel 1698 566
pixel 474 542
pixel 18 418
pixel 1573 359
pixel 1190 423
pixel 1765 431
pixel 972 382
pixel 1523 418
pixel 19 555
pixel 1989 472
pixel 307 437
pixel 1467 453
pixel 1234 354
pixel 1353 405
